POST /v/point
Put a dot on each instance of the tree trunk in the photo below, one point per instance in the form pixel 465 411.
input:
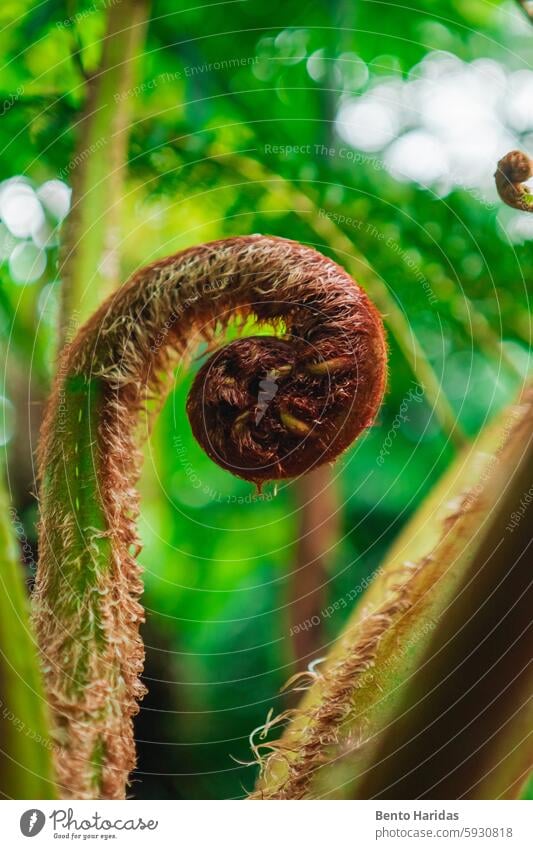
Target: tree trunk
pixel 318 502
pixel 89 264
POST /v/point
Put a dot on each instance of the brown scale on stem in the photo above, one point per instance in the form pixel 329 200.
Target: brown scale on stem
pixel 262 407
pixel 512 171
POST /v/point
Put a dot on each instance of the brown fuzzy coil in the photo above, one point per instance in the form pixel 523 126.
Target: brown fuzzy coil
pixel 263 407
pixel 513 169
pixel 267 408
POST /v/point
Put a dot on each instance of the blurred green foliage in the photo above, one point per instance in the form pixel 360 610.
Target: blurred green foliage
pixel 245 78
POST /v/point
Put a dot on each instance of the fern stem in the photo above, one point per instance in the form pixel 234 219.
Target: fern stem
pixel 87 609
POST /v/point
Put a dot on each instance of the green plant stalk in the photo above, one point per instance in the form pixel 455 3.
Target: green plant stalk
pixel 26 770
pixel 426 694
pixel 78 545
pixel 81 658
pixel 89 262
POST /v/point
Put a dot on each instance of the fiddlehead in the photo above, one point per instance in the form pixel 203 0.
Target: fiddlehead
pixel 263 407
pixel 512 171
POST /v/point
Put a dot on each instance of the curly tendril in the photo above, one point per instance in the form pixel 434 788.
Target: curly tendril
pixel 512 171
pixel 263 407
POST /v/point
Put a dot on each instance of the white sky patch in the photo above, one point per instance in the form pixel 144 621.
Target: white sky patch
pixel 519 228
pixel 417 156
pixel 29 224
pixel 55 197
pixel 367 123
pixel 446 125
pixel 316 66
pixel 7 242
pixel 44 235
pixel 20 209
pixel 26 263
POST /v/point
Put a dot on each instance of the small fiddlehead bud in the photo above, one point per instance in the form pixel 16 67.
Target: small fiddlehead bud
pixel 262 407
pixel 512 171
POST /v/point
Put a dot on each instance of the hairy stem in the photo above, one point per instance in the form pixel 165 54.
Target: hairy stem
pixel 87 610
